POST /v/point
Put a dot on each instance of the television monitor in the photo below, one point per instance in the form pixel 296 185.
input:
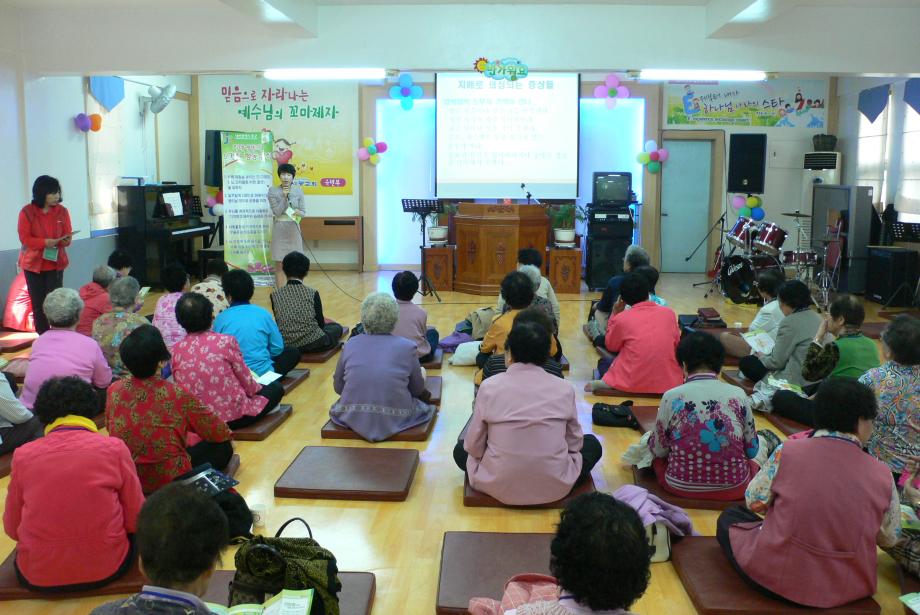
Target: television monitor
pixel 612 188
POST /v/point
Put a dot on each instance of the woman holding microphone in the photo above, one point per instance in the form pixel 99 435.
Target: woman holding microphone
pixel 288 208
pixel 45 232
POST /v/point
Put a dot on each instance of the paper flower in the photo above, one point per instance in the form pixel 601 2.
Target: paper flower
pixel 406 92
pixel 611 91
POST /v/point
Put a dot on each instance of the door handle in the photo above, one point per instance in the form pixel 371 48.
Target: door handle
pixel 663 214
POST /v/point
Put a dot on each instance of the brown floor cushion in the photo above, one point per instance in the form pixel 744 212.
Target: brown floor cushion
pixel 6 464
pixel 478 564
pixel 356 597
pixel 733 376
pixel 473 498
pixel 436 361
pixel 715 588
pixel 419 433
pixel 434 384
pixel 14 341
pixel 340 473
pixel 646 479
pixel 618 393
pixel 646 416
pixel 564 362
pixel 10 589
pixel 233 466
pixel 891 314
pixel 264 427
pixel 786 426
pixel 320 357
pixel 294 379
pixel 873 330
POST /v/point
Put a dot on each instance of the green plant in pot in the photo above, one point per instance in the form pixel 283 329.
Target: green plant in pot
pixel 562 218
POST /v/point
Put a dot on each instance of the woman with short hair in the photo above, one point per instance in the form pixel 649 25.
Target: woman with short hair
pixel 287 206
pixel 95 297
pixel 176 281
pixel 524 445
pixel 113 327
pixel 62 351
pixel 378 377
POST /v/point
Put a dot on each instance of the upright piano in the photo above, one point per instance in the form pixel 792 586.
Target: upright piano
pixel 157 226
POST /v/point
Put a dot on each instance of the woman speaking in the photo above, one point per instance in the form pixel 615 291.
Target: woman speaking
pixel 287 206
pixel 45 232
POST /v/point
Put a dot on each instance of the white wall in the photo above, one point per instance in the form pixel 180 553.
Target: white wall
pixel 15 193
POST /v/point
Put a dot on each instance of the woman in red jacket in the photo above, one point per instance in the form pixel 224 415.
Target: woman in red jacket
pixel 45 232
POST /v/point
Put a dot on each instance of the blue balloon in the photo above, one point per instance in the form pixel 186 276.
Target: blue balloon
pixel 405 80
pixel 395 92
pixel 758 213
pixel 407 103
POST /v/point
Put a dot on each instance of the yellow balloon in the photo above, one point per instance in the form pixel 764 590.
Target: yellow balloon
pixel 753 201
pixel 368 141
pixel 375 158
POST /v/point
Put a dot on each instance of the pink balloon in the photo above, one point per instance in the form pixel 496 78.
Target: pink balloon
pixel 381 147
pixel 612 81
pixel 622 91
pixel 653 156
pixel 600 91
pixel 738 201
pixel 212 201
pixel 362 154
pixel 663 154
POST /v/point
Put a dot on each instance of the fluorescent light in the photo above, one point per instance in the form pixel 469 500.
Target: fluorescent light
pixel 325 74
pixel 667 74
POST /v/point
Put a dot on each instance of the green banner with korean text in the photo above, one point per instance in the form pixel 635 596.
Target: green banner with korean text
pixel 246 158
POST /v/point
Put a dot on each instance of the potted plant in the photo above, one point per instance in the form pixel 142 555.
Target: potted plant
pixel 562 217
pixel 436 234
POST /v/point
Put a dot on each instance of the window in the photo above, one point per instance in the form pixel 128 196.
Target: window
pixel 872 153
pixel 907 192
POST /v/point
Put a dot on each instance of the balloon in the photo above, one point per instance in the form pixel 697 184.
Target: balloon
pixel 416 91
pixel 219 209
pixel 600 91
pixel 372 150
pixel 395 92
pixel 654 166
pixel 95 122
pixel 663 154
pixel 82 122
pixel 405 81
pixel 381 147
pixel 212 201
pixel 642 158
pixel 610 102
pixel 367 142
pixel 220 196
pixel 375 159
pixel 612 81
pixel 406 103
pixel 738 201
pixel 622 91
pixel 650 145
pixel 745 212
pixel 753 201
pixel 363 154
pixel 653 156
pixel 405 91
pixel 758 213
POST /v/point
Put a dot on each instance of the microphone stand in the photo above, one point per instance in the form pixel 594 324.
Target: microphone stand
pixel 526 192
pixel 714 282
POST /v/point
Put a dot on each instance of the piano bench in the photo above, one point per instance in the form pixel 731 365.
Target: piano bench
pixel 205 255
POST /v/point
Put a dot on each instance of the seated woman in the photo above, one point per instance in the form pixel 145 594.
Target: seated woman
pixel 73 498
pixel 645 338
pixel 768 317
pixel 599 318
pixel 518 291
pixel 112 327
pixel 379 378
pixel 598 538
pixel 176 281
pixel 852 354
pixel 524 444
pixel 538 302
pixel 496 364
pixel 210 366
pixel 95 297
pixel 413 319
pixel 805 550
pixel 154 416
pixel 896 384
pixel 651 276
pixel 906 552
pixel 211 287
pixel 704 439
pixel 180 536
pixel 121 262
pixel 794 335
pixel 299 310
pixel 61 351
pixel 17 424
pixel 531 257
pixel 254 328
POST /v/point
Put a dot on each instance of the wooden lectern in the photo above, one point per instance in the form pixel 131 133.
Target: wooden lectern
pixel 488 239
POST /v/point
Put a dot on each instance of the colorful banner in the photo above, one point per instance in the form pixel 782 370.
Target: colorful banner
pixel 248 170
pixel 313 124
pixel 783 103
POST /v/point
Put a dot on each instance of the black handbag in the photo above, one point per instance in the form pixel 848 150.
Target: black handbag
pixel 608 415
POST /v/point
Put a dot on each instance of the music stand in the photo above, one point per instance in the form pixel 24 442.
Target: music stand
pixel 424 208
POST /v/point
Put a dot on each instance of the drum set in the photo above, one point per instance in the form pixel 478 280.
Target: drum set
pixel 757 246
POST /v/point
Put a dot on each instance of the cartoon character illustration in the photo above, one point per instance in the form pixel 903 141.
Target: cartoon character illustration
pixel 815 122
pixel 691 103
pixel 799 99
pixel 283 152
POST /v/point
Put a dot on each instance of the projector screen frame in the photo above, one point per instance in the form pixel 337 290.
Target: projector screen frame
pixel 524 191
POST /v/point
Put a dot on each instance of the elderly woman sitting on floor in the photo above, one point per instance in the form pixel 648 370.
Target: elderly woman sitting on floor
pixel 113 327
pixel 378 376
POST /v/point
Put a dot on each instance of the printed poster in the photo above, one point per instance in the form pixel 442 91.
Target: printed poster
pixel 248 169
pixel 313 125
pixel 782 103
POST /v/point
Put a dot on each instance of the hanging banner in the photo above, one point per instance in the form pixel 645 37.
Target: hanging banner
pixel 783 103
pixel 313 123
pixel 247 163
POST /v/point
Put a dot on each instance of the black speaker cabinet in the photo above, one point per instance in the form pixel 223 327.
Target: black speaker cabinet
pixel 747 158
pixel 604 259
pixel 892 276
pixel 213 173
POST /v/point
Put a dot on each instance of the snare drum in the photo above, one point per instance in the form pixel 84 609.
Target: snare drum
pixel 800 257
pixel 742 233
pixel 770 238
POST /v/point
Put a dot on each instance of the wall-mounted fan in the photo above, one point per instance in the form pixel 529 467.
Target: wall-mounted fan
pixel 157 98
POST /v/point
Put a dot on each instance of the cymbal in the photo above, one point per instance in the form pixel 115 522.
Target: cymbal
pixel 797 214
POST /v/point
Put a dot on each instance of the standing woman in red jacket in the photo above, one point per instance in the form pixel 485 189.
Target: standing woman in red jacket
pixel 45 232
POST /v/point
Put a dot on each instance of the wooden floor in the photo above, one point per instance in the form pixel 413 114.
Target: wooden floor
pixel 400 542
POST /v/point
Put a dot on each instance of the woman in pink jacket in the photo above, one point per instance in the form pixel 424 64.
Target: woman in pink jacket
pixel 73 497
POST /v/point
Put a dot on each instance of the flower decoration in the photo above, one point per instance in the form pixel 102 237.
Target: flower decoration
pixel 652 156
pixel 611 90
pixel 750 206
pixel 406 92
pixel 371 151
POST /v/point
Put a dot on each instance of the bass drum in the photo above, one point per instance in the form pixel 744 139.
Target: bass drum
pixel 737 277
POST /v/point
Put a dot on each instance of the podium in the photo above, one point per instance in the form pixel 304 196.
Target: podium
pixel 488 239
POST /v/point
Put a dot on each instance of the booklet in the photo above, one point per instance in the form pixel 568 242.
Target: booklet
pixel 288 602
pixel 759 341
pixel 785 385
pixel 266 378
pixel 912 601
pixel 210 481
pixel 293 214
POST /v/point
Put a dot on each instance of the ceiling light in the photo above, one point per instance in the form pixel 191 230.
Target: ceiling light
pixel 325 74
pixel 666 74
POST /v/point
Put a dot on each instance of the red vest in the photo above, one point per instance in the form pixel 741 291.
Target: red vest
pixel 816 545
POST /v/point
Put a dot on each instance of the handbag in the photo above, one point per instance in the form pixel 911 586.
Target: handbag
pixel 608 415
pixel 659 541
